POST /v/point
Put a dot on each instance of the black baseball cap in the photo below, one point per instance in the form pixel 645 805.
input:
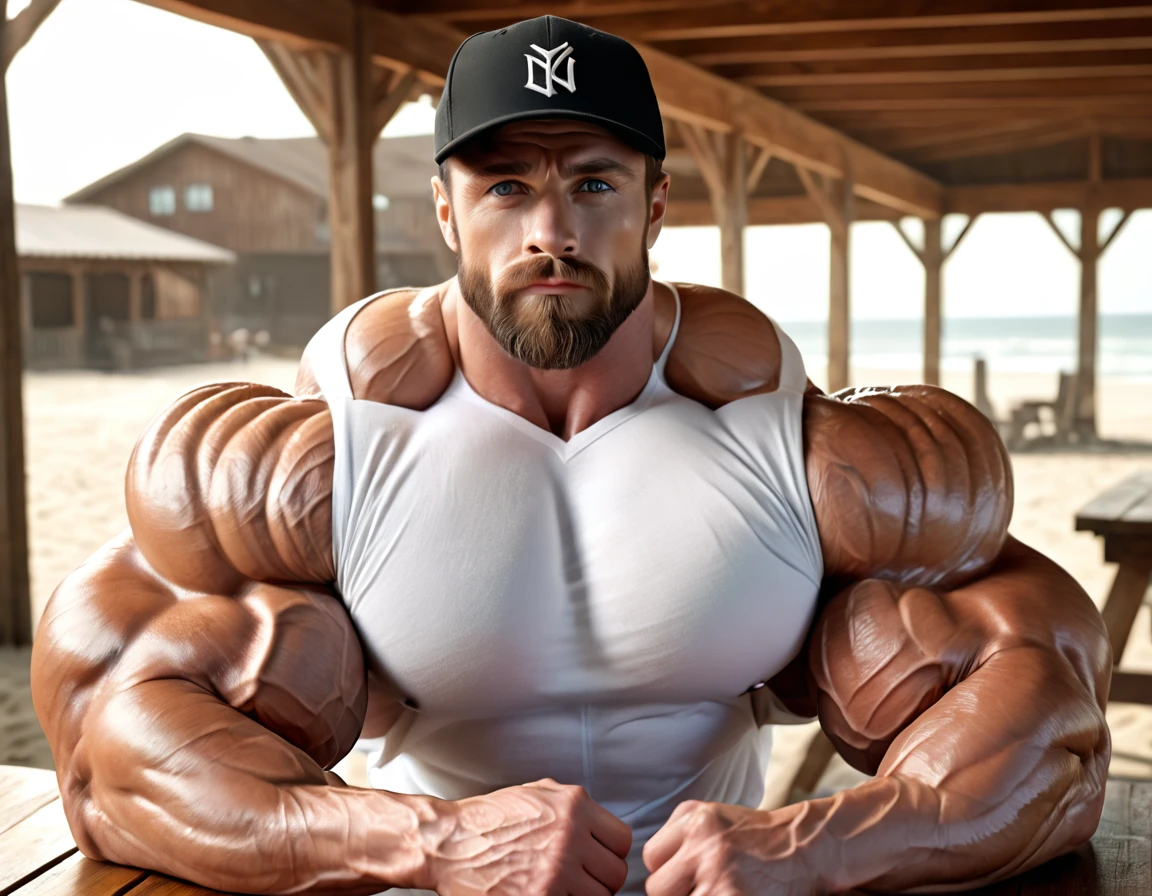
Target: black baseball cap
pixel 548 67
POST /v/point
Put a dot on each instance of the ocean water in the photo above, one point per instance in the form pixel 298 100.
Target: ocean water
pixel 1009 344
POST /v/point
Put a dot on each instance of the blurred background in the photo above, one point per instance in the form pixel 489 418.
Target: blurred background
pixel 954 196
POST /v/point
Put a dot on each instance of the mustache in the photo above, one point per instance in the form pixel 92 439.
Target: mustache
pixel 545 267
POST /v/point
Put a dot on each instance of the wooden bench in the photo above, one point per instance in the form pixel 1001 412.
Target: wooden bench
pixel 38 856
pixel 1122 516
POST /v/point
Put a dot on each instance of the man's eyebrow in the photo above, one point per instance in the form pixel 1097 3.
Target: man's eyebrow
pixel 511 166
pixel 596 166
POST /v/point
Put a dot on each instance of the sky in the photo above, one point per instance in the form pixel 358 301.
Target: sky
pixel 106 81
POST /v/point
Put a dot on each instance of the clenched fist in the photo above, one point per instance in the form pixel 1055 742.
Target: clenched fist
pixel 713 849
pixel 543 838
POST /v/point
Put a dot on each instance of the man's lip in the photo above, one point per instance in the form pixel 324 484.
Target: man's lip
pixel 562 284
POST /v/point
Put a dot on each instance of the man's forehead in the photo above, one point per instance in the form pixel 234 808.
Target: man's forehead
pixel 539 139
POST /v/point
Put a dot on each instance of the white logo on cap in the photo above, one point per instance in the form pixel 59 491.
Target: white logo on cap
pixel 550 63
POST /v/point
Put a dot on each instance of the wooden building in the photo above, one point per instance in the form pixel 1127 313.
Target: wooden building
pixel 100 289
pixel 267 201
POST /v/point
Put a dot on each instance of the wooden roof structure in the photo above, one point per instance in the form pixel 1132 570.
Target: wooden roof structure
pixel 776 112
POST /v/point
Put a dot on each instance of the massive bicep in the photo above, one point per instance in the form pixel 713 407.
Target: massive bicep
pixel 912 485
pixel 233 482
pixel 139 684
pixel 987 700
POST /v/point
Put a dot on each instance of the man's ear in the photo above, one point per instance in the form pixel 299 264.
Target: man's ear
pixel 444 213
pixel 658 206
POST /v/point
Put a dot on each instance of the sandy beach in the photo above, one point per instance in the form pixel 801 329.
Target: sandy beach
pixel 82 427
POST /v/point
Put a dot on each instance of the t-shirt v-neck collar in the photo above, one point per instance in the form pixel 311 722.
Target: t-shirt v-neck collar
pixel 566 450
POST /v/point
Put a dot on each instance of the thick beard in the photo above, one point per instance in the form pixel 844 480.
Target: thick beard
pixel 550 332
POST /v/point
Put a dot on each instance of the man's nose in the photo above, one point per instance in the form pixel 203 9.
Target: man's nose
pixel 552 229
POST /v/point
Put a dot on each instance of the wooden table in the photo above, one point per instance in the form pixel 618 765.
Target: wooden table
pixel 38 855
pixel 1122 516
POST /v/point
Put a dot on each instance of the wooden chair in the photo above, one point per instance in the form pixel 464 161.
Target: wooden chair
pixel 1061 409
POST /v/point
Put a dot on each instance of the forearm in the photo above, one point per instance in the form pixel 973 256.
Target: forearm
pixel 982 712
pixel 174 780
pixel 988 783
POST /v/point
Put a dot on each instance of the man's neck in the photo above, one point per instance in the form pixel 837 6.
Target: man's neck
pixel 563 402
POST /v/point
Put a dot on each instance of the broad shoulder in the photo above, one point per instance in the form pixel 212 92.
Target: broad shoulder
pixel 397 348
pixel 726 348
pixel 396 351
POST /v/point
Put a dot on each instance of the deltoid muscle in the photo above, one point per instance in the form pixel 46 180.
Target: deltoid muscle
pixel 197 676
pixel 965 670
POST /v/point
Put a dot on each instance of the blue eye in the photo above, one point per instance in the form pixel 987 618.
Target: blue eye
pixel 499 188
pixel 595 185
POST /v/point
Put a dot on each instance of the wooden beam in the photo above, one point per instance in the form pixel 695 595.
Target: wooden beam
pixel 484 10
pixel 1128 194
pixel 1012 141
pixel 745 20
pixel 298 23
pixel 426 46
pixel 937 144
pixel 769 210
pixel 964 231
pixel 300 72
pixel 958 76
pixel 705 154
pixel 913 43
pixel 821 197
pixel 1136 86
pixel 15 593
pixel 932 68
pixel 26 23
pixel 1060 235
pixel 688 93
pixel 1111 238
pixel 1089 106
pixel 912 247
pixel 391 95
pixel 756 169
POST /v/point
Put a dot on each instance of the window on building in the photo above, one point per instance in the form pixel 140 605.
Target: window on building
pixel 162 201
pixel 147 298
pixel 51 298
pixel 198 197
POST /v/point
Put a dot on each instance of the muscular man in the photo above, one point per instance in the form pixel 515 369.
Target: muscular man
pixel 540 534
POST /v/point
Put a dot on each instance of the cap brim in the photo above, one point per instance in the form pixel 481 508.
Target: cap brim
pixel 638 141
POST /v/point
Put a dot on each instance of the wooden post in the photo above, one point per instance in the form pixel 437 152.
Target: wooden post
pixel 1085 404
pixel 351 219
pixel 135 294
pixel 1085 423
pixel 837 208
pixel 933 259
pixel 348 101
pixel 839 313
pixel 723 163
pixel 79 316
pixel 932 256
pixel 735 212
pixel 25 309
pixel 15 593
pixel 1090 250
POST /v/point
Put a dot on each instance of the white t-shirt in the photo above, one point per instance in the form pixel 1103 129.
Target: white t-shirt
pixel 593 611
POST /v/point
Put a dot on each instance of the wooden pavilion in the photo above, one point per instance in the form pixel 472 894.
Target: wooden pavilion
pixel 776 112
